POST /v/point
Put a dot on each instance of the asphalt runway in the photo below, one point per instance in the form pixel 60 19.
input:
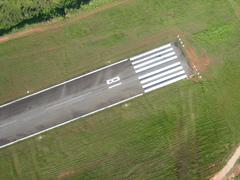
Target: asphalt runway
pixel 90 93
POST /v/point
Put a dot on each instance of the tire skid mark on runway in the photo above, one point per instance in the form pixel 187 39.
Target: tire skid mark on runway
pixel 69 100
pixel 6 124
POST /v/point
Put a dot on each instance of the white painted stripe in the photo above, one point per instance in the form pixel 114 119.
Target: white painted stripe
pixel 118 84
pixel 70 121
pixel 152 51
pixel 163 79
pixel 159 70
pixel 151 56
pixel 97 70
pixel 161 74
pixel 166 83
pixel 156 64
pixel 154 60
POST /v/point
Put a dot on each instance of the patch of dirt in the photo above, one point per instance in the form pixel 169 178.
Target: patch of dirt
pixel 22 34
pixel 235 173
pixel 55 25
pixel 65 174
pixel 201 61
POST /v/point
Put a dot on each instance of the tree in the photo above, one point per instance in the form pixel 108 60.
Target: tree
pixel 14 14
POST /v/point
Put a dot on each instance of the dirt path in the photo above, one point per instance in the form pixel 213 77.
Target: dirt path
pixel 228 167
pixel 21 34
pixel 55 25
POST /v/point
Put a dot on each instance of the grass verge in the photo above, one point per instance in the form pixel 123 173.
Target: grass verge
pixel 185 131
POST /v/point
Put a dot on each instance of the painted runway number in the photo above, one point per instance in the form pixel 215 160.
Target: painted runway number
pixel 114 82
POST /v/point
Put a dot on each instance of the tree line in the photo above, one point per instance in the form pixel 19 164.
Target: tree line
pixel 18 13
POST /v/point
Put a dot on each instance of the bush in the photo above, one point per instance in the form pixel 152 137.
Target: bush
pixel 17 13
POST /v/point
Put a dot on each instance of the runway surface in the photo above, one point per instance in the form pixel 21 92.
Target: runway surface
pixel 92 92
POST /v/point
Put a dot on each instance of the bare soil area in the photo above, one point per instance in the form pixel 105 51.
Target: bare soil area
pixel 235 173
pixel 65 174
pixel 201 62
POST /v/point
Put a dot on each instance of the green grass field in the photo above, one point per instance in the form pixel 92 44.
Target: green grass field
pixel 184 131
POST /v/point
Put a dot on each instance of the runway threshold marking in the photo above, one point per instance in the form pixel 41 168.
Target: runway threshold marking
pixel 159 67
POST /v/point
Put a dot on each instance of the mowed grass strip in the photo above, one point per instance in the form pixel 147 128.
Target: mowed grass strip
pixel 184 131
